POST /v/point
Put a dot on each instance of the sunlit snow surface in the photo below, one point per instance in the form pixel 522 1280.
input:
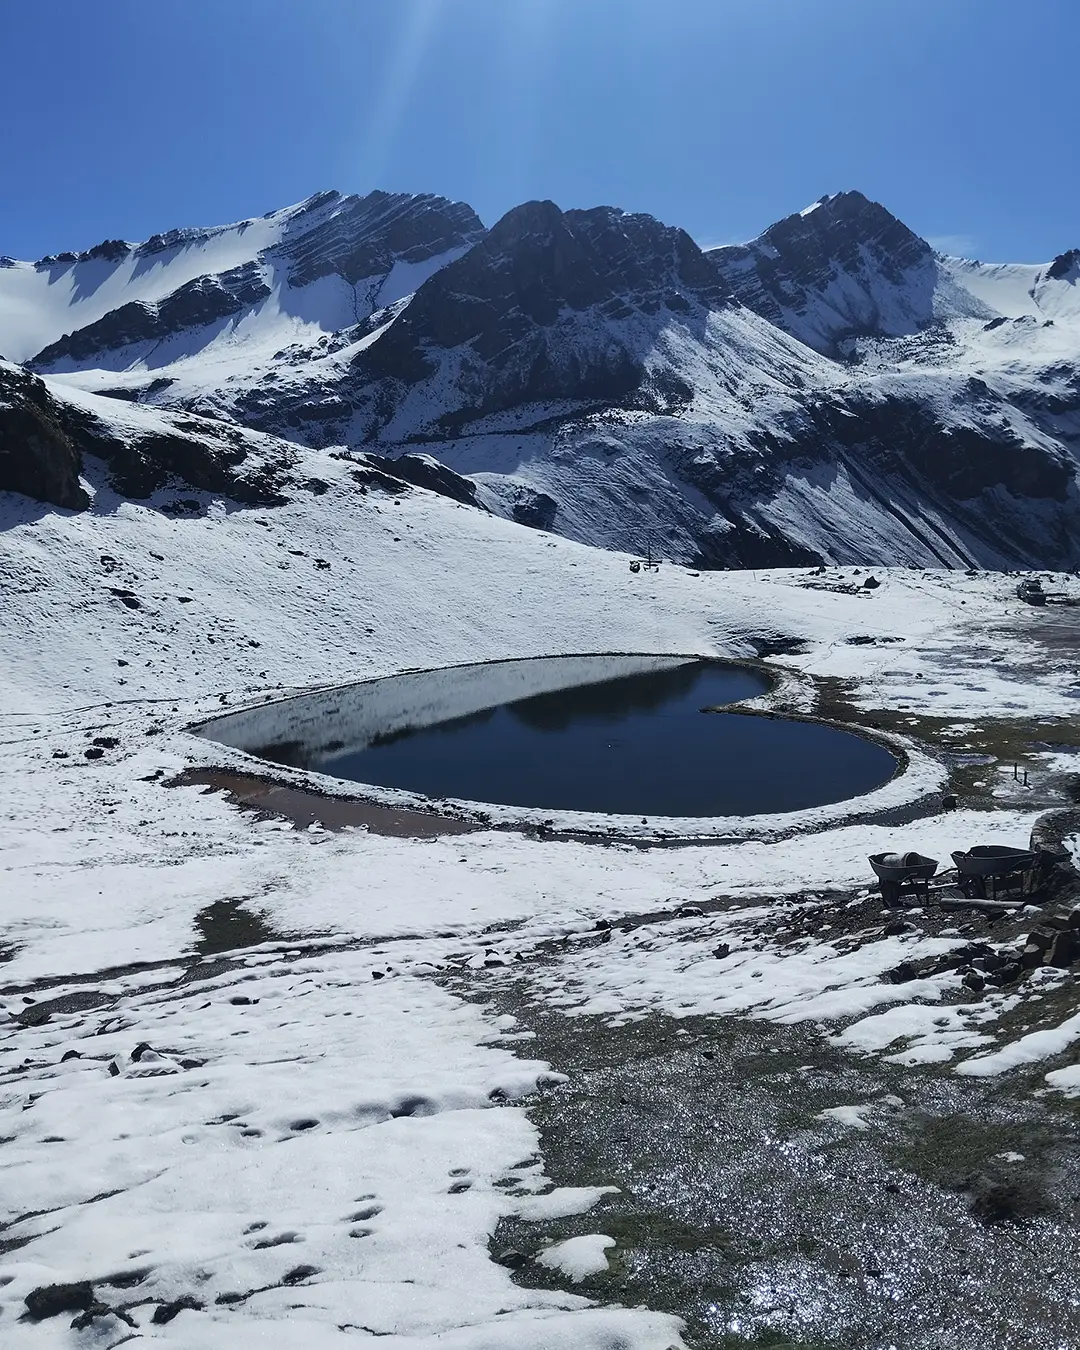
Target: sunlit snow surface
pixel 946 329
pixel 337 1094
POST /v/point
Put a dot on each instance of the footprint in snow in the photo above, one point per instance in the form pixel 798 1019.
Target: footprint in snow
pixel 277 1240
pixel 367 1212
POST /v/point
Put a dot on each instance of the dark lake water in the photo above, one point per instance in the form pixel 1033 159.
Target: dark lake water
pixel 627 735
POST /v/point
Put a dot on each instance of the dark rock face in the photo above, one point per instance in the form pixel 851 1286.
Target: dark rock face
pixel 847 250
pixel 43 441
pixel 899 435
pixel 360 237
pixel 425 472
pixel 199 453
pixel 200 302
pixel 109 250
pixel 38 456
pixel 1064 265
pixel 533 308
pixel 535 509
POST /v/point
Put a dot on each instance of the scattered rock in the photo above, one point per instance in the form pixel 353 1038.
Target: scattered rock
pixel 974 981
pixel 144 1062
pixel 1063 950
pixel 51 1299
pixel 1038 943
pixel 1006 974
pixel 165 1312
pixel 721 950
pixel 97 1310
pixel 94 752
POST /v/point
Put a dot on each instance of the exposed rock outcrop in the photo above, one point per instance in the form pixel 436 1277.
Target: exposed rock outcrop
pixel 549 305
pixel 425 472
pixel 38 456
pixel 43 440
pixel 844 267
pixel 360 237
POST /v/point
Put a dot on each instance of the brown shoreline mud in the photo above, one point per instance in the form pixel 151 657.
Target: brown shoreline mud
pixel 305 807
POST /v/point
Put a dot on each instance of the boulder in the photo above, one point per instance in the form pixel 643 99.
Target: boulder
pixel 1064 949
pixel 1038 943
pixel 52 1299
pixel 165 1312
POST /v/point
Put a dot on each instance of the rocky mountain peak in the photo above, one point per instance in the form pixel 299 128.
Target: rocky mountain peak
pixel 833 227
pixel 1066 266
pixel 844 266
pixel 359 237
pixel 538 262
pixel 550 305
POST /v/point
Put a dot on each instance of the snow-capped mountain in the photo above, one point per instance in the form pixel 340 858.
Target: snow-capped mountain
pixel 833 390
pixel 846 268
pixel 300 273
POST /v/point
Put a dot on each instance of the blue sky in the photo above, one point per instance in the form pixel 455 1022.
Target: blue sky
pixel 124 117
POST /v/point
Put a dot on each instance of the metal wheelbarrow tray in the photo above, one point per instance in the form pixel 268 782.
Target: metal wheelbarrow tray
pixel 994 860
pixel 994 863
pixel 894 871
pixel 912 867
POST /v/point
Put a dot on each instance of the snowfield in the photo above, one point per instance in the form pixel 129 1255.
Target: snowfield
pixel 310 1140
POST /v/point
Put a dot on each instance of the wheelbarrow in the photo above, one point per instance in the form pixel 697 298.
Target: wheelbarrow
pixel 895 871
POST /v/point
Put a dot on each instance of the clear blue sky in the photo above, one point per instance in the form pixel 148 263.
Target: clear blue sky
pixel 124 117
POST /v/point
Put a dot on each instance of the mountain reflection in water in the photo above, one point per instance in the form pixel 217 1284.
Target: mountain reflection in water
pixel 637 744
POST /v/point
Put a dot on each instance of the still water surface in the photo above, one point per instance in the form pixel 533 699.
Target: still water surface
pixel 637 743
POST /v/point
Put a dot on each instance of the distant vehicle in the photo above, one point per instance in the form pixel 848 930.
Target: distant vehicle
pixel 1030 590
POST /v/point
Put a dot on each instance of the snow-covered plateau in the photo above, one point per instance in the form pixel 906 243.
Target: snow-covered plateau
pixel 264 1083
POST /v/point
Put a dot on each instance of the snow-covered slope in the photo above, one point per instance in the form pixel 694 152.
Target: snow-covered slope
pixel 834 390
pixel 293 275
pixel 201 1134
